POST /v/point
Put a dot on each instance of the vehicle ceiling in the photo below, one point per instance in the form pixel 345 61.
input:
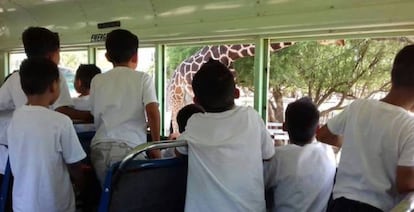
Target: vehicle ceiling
pixel 200 20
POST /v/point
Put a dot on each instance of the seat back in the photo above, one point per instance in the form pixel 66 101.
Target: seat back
pixel 145 185
pixel 5 190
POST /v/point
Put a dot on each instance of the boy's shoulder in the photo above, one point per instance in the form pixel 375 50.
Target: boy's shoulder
pixel 29 110
pixel 120 72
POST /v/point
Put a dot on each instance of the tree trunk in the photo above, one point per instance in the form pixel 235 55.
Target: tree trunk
pixel 278 97
pixel 271 110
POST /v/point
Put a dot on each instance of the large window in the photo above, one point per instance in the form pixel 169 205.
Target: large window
pixel 146 60
pixel 179 75
pixel 69 62
pixel 14 61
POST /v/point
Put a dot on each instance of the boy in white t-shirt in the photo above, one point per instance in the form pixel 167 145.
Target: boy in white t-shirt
pixel 226 147
pixel 121 101
pixel 44 150
pixel 377 161
pixel 83 77
pixel 300 175
pixel 183 115
pixel 40 42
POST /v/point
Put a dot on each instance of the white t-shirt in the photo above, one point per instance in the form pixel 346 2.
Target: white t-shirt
pixel 12 95
pixel 3 158
pixel 82 103
pixel 300 178
pixel 41 143
pixel 225 160
pixel 378 137
pixel 5 117
pixel 118 99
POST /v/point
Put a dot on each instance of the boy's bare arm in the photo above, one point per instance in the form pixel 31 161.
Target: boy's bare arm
pixel 76 174
pixel 153 115
pixel 324 135
pixel 405 179
pixel 85 116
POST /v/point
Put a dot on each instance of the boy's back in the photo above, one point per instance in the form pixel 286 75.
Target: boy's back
pixel 300 178
pixel 377 163
pixel 12 95
pixel 226 147
pixel 225 160
pixel 41 143
pixel 300 175
pixel 374 145
pixel 118 98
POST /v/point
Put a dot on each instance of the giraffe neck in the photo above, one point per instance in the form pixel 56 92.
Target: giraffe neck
pixel 180 88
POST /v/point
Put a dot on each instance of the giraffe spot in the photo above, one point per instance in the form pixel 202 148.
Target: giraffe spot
pixel 199 60
pixel 204 50
pixel 215 52
pixel 236 47
pixel 233 55
pixel 194 67
pixel 244 52
pixel 225 61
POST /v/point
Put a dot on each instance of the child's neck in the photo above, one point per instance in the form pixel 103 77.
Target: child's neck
pixel 400 97
pixel 38 100
pixel 220 110
pixel 128 64
pixel 84 93
pixel 300 143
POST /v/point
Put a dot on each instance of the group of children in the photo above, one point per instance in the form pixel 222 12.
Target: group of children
pixel 43 147
pixel 227 143
pixel 232 162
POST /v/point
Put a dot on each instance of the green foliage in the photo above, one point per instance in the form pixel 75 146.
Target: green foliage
pixel 177 54
pixel 355 70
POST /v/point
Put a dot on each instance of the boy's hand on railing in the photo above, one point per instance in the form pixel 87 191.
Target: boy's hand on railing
pixel 154 154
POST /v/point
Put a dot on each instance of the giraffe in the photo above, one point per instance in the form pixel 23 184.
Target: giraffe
pixel 180 91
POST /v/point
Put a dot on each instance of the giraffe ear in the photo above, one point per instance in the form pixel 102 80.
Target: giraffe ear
pixel 236 93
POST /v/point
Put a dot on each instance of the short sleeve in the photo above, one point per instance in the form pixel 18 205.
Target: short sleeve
pixel 267 144
pixel 6 98
pixel 92 94
pixel 182 149
pixel 64 98
pixel 336 125
pixel 71 148
pixel 149 95
pixel 406 149
pixel 269 169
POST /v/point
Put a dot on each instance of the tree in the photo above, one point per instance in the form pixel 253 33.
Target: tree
pixel 359 69
pixel 177 54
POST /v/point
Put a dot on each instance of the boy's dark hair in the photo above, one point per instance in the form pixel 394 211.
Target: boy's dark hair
pixel 214 87
pixel 301 120
pixel 185 113
pixel 38 41
pixel 402 74
pixel 85 73
pixel 121 45
pixel 37 74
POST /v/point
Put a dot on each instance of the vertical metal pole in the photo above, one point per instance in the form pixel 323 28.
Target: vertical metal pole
pixel 160 82
pixel 261 76
pixel 6 65
pixel 91 55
